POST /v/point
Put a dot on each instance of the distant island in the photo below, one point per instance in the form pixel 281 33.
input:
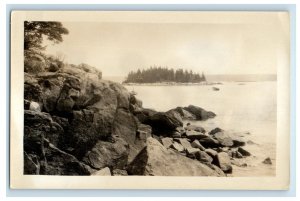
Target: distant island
pixel 159 74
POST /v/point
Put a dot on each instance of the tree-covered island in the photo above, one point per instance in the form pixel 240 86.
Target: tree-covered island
pixel 159 74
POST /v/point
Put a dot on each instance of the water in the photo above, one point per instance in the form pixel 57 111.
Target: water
pixel 240 107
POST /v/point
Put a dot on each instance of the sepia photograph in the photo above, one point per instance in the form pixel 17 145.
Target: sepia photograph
pixel 168 94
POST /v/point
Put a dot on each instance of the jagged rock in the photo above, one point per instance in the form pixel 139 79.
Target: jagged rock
pixel 238 142
pixel 164 122
pixel 211 152
pixel 118 172
pixel 184 113
pixel 143 114
pixel 199 112
pixel 178 147
pixel 233 153
pixel 197 144
pixel 143 132
pixel 191 134
pixel 224 139
pixel 156 160
pixel 209 142
pixel 167 142
pixel 215 130
pixel 223 161
pixel 108 154
pixel 37 126
pixel 268 161
pixel 203 157
pixel 102 172
pixel 195 128
pixel 58 162
pixel 244 152
pixel 184 142
pixel 192 152
pixel 31 164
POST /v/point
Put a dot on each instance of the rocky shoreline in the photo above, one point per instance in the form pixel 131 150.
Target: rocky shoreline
pixel 76 123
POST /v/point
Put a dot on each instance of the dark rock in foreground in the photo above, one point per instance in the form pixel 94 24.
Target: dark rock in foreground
pixel 107 154
pixel 156 160
pixel 164 122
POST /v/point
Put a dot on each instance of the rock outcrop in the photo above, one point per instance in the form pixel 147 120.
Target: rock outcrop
pixel 81 115
pixel 75 123
pixel 156 160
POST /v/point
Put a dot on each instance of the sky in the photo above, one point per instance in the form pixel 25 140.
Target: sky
pixel 234 43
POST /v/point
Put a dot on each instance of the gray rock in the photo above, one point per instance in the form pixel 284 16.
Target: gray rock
pixel 164 122
pixel 211 152
pixel 197 144
pixel 215 130
pixel 178 147
pixel 192 151
pixel 268 161
pixel 195 128
pixel 191 134
pixel 118 172
pixel 156 160
pixel 223 161
pixel 107 154
pixel 184 142
pixel 209 142
pixel 167 142
pixel 244 152
pixel 103 172
pixel 199 112
pixel 224 139
pixel 58 162
pixel 203 157
pixel 185 114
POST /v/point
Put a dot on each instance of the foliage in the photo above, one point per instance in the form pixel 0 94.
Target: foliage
pixel 159 74
pixel 34 31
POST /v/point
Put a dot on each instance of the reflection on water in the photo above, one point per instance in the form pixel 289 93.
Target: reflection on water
pixel 248 107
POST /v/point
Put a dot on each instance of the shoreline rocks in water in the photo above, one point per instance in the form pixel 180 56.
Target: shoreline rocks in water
pixel 75 123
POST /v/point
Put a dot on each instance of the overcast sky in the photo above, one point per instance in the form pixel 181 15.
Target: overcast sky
pixel 116 48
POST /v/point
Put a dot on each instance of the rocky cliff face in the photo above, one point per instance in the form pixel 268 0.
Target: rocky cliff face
pixel 75 123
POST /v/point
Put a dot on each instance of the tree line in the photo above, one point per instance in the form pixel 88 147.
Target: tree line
pixel 159 74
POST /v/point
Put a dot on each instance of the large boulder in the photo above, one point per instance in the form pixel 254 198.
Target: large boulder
pixel 209 142
pixel 224 139
pixel 163 123
pixel 223 161
pixel 192 135
pixel 156 160
pixel 58 162
pixel 199 112
pixel 108 154
pixel 184 113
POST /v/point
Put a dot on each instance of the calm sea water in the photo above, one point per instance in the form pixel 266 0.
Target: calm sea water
pixel 240 107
